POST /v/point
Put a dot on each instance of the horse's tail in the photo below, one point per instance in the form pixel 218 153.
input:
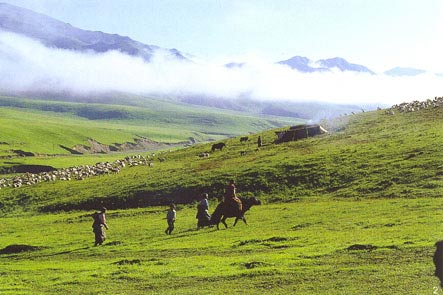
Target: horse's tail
pixel 217 215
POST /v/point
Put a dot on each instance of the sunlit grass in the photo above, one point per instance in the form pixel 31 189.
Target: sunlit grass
pixel 297 247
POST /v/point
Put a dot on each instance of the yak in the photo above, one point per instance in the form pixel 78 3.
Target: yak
pixel 244 138
pixel 218 146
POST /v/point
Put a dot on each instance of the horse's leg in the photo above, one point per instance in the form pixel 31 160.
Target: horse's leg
pixel 223 220
pixel 238 218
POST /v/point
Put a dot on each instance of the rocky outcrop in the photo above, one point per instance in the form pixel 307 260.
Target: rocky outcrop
pixel 139 144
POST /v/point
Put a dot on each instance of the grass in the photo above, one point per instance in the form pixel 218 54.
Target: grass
pixel 372 156
pixel 355 211
pixel 41 126
pixel 299 248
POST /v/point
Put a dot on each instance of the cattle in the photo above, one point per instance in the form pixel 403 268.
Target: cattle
pixel 244 138
pixel 203 155
pixel 218 146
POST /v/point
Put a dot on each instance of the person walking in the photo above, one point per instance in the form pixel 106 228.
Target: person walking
pixel 203 215
pixel 99 225
pixel 170 217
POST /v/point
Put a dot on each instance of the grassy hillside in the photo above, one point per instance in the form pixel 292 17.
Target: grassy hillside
pixel 42 126
pixel 370 155
pixel 355 211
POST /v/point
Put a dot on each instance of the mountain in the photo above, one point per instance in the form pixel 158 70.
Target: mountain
pixel 233 65
pixel 302 64
pixel 399 71
pixel 57 34
pixel 305 65
pixel 343 65
pixel 54 33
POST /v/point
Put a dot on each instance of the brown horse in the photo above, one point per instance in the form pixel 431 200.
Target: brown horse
pixel 224 211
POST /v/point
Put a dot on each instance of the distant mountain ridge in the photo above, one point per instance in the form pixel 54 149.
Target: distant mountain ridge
pixel 54 33
pixel 305 65
pixel 57 34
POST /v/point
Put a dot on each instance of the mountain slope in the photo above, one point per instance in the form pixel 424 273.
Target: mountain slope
pixel 302 64
pixel 343 65
pixel 369 155
pixel 305 65
pixel 54 33
pixel 43 127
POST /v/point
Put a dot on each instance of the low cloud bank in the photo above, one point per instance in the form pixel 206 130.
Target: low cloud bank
pixel 28 66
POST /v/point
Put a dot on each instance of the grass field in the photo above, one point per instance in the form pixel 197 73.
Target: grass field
pixel 355 211
pixel 296 248
pixel 41 127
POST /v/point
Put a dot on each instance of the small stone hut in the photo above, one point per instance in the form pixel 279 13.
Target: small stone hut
pixel 299 132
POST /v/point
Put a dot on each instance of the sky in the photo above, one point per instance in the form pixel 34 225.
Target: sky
pixel 379 34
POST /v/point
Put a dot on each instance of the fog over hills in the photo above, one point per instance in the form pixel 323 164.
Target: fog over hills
pixel 44 57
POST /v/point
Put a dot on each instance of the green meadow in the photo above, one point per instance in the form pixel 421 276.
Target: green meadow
pixel 301 248
pixel 354 211
pixel 41 126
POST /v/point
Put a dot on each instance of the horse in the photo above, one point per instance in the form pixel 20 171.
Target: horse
pixel 224 211
pixel 218 146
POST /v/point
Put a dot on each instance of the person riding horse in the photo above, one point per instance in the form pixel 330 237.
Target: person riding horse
pixel 231 198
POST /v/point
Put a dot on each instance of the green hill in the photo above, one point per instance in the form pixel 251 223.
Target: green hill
pixel 355 211
pixel 43 127
pixel 370 155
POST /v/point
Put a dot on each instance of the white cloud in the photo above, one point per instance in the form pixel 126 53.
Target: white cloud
pixel 27 65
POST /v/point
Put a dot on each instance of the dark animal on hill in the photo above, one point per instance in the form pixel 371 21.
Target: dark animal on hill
pixel 244 138
pixel 218 146
pixel 438 261
pixel 224 211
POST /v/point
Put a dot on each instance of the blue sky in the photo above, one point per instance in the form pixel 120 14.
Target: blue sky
pixel 379 34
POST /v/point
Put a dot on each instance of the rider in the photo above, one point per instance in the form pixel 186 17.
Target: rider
pixel 230 196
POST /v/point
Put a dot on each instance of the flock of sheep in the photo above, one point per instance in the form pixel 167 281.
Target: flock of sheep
pixel 78 173
pixel 416 105
pixel 101 168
